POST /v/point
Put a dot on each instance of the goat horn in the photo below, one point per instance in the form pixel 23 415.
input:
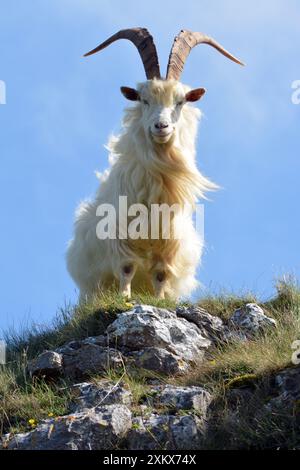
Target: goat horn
pixel 143 40
pixel 182 46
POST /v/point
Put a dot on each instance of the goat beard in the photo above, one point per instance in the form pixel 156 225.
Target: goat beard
pixel 179 180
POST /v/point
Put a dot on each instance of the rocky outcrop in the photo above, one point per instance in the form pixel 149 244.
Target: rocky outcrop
pixel 167 416
pixel 146 331
pixel 151 338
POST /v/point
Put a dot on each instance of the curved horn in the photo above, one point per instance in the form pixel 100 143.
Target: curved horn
pixel 182 46
pixel 143 40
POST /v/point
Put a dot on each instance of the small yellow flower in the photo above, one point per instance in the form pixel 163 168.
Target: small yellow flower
pixel 129 304
pixel 51 414
pixel 32 422
pixel 213 362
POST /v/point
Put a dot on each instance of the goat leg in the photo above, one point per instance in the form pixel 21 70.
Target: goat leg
pixel 127 273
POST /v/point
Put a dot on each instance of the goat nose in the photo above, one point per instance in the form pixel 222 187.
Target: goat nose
pixel 161 125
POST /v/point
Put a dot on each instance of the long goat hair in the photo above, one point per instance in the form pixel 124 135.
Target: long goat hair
pixel 153 161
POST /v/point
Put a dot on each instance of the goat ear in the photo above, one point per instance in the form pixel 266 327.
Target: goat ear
pixel 195 95
pixel 130 93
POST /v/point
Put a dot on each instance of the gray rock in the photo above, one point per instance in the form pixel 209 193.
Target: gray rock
pixel 287 388
pixel 181 398
pixel 151 433
pixel 48 364
pixel 159 360
pixel 165 432
pixel 91 359
pixel 94 429
pixel 211 327
pixel 100 340
pixel 69 347
pixel 150 327
pixel 251 320
pixel 90 395
pixel 188 432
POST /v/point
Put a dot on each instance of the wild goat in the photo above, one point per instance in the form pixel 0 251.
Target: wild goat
pixel 153 162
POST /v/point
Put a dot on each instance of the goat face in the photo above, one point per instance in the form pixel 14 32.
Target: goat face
pixel 161 103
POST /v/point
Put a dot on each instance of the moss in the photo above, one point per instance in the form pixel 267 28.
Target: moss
pixel 245 380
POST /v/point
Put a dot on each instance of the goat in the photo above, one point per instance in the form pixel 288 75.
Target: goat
pixel 153 162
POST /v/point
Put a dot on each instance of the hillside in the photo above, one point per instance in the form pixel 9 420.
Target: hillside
pixel 148 374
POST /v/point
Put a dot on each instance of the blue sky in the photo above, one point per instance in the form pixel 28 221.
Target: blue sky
pixel 61 109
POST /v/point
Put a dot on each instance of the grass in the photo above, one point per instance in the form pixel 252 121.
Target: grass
pixel 24 403
pixel 248 365
pixel 71 323
pixel 263 355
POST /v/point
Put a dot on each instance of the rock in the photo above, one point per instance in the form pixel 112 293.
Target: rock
pixel 100 340
pixel 165 432
pixel 159 360
pixel 69 347
pixel 48 365
pixel 94 429
pixel 287 388
pixel 151 433
pixel 188 432
pixel 251 320
pixel 90 395
pixel 153 338
pixel 91 359
pixel 211 327
pixel 181 398
pixel 150 327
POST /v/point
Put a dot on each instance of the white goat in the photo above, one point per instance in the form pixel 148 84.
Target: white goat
pixel 154 163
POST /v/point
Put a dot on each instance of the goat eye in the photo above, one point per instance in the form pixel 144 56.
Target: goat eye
pixel 180 103
pixel 145 102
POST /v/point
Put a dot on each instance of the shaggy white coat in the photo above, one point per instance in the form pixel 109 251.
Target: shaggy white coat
pixel 148 173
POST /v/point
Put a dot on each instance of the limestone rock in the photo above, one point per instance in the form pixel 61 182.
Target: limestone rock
pixel 48 364
pixel 287 388
pixel 181 398
pixel 211 327
pixel 159 360
pixel 90 395
pixel 251 319
pixel 90 359
pixel 166 432
pixel 94 429
pixel 151 327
